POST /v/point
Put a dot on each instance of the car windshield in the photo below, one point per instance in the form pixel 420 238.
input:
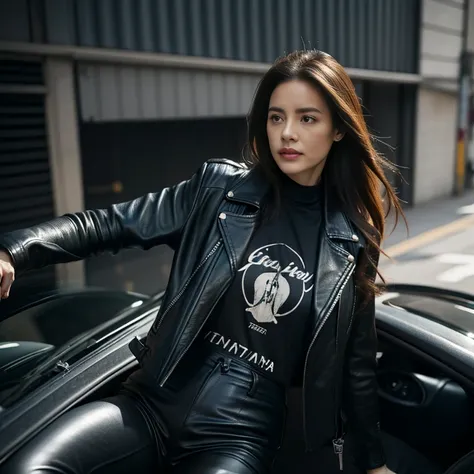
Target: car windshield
pixel 452 309
pixel 58 325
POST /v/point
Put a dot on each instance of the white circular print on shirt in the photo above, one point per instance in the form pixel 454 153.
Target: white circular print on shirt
pixel 274 272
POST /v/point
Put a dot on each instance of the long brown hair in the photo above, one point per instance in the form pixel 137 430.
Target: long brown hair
pixel 354 171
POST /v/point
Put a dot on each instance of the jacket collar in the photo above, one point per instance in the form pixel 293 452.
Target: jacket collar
pixel 252 186
pixel 336 221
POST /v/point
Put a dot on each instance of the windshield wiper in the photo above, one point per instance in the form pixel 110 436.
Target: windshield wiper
pixel 52 365
pixel 57 361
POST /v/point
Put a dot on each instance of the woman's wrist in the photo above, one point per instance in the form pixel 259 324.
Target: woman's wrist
pixel 380 470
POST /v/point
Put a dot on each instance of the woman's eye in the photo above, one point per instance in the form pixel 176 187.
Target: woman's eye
pixel 275 118
pixel 308 119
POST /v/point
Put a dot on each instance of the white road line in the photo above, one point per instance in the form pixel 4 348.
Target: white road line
pixel 464 267
pixel 466 209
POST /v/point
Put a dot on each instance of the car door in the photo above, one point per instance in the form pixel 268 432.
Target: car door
pixel 426 372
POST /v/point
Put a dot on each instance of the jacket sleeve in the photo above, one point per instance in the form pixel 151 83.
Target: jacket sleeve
pixel 361 402
pixel 150 220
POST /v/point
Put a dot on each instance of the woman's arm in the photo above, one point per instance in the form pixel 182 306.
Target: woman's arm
pixel 153 219
pixel 361 397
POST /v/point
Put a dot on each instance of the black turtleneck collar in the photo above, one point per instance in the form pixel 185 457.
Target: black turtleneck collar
pixel 295 192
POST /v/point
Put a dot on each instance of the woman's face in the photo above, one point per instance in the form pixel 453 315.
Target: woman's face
pixel 300 131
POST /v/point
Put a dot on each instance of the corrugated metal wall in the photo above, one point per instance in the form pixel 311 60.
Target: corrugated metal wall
pixel 110 93
pixel 366 34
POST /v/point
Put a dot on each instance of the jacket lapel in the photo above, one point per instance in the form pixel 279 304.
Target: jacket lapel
pixel 236 231
pixel 237 223
pixel 335 262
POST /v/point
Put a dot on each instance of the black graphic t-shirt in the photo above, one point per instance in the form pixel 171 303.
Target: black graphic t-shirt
pixel 264 316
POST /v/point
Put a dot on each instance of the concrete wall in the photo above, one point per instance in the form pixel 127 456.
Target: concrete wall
pixel 441 40
pixel 437 104
pixel 435 144
pixel 64 153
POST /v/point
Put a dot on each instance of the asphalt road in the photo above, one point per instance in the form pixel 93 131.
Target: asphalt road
pixel 440 248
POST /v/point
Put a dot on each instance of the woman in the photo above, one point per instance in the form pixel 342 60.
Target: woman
pixel 272 285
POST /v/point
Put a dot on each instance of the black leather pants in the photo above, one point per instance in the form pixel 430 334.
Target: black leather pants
pixel 214 416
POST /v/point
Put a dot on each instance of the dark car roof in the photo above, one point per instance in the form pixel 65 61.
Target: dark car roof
pixel 454 310
pixel 88 295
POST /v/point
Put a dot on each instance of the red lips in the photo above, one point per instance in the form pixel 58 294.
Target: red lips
pixel 289 153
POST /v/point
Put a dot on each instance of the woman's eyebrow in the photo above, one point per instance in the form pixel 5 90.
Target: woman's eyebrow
pixel 302 110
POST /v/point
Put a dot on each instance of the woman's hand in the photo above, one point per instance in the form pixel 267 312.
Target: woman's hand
pixel 7 274
pixel 381 470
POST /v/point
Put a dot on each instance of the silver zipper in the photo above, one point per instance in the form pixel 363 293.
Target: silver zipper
pixel 337 414
pixel 338 445
pixel 354 303
pixel 345 277
pixel 167 376
pixel 183 289
pixel 338 442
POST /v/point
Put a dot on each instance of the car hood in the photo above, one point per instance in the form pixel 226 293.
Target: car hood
pixel 449 308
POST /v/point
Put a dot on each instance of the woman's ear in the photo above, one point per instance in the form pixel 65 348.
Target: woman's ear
pixel 339 136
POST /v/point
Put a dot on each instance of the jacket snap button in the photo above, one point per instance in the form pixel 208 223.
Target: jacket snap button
pixel 222 215
pixel 350 258
pixel 355 238
pixel 230 194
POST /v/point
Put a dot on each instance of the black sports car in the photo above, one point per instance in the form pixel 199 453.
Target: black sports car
pixel 72 347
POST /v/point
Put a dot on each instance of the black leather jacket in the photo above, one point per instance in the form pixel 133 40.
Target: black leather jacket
pixel 209 220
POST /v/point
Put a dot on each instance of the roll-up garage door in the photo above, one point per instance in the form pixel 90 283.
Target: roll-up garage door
pixel 26 196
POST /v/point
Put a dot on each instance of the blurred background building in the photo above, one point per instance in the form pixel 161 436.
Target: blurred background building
pixel 104 100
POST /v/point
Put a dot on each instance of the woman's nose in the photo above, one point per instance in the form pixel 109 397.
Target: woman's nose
pixel 289 132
